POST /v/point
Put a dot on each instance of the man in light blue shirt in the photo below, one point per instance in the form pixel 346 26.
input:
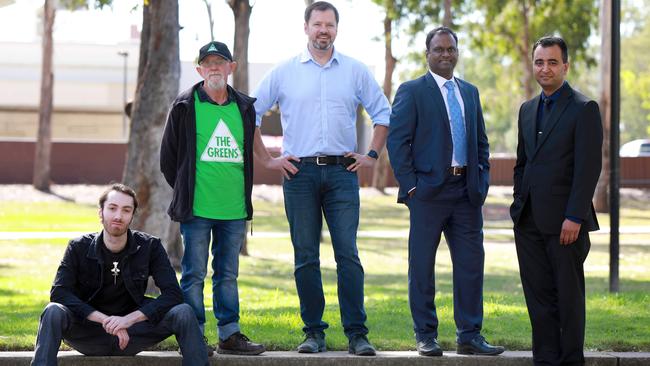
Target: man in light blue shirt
pixel 318 93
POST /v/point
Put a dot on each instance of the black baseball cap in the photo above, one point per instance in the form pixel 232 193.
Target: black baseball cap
pixel 215 48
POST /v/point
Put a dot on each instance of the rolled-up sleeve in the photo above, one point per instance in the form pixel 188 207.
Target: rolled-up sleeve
pixel 373 99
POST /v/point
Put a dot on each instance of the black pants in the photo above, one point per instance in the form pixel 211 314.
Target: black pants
pixel 553 280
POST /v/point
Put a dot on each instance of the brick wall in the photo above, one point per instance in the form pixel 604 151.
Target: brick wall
pixel 101 163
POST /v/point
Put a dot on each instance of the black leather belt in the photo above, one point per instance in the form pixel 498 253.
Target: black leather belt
pixel 457 170
pixel 328 160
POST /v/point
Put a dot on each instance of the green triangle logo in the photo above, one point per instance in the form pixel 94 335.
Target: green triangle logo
pixel 212 48
pixel 222 147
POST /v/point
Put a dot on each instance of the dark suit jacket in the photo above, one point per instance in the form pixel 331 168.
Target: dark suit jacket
pixel 559 172
pixel 419 140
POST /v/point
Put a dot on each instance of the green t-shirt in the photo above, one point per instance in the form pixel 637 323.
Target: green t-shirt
pixel 219 185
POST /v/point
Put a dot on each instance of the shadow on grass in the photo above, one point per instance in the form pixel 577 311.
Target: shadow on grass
pixel 3 269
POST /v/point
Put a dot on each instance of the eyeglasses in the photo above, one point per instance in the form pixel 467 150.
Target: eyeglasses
pixel 441 50
pixel 214 63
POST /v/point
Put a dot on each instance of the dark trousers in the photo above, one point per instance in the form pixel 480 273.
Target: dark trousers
pixel 89 338
pixel 553 280
pixel 451 213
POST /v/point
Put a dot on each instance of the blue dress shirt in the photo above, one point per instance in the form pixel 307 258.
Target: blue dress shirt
pixel 318 104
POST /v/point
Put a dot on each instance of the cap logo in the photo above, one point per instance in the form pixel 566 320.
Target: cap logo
pixel 212 48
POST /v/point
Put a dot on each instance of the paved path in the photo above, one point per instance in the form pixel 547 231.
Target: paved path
pixel 399 358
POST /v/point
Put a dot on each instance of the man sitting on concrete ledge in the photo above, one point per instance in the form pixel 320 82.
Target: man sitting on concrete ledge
pixel 98 304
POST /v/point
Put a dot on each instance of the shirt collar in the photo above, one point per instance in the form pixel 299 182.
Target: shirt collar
pixel 441 80
pixel 306 56
pixel 553 97
pixel 100 245
pixel 205 98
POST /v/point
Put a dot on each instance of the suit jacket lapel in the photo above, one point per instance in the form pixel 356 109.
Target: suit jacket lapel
pixel 556 113
pixel 437 101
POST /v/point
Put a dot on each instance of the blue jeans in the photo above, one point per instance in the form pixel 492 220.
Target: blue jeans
pixel 227 239
pixel 331 191
pixel 89 338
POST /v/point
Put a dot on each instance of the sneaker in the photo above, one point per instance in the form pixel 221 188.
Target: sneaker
pixel 313 343
pixel 359 345
pixel 239 344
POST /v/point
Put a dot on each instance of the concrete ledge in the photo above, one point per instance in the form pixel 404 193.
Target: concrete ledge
pixel 632 358
pixel 514 358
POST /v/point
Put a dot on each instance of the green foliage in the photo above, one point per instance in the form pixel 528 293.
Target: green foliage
pixel 500 98
pixel 635 80
pixel 84 4
pixel 410 19
pixel 506 26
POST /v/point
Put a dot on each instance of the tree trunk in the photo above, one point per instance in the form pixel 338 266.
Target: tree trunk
pixel 145 35
pixel 382 168
pixel 208 7
pixel 524 51
pixel 601 198
pixel 158 77
pixel 242 11
pixel 41 176
pixel 446 20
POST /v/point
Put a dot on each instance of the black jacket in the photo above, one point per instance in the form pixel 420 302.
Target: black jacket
pixel 178 151
pixel 79 277
pixel 559 173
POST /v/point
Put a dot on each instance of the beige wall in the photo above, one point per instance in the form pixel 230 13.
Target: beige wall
pixel 88 88
pixel 94 125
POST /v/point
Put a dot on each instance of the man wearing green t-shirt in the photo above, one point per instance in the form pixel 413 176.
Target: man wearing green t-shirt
pixel 206 156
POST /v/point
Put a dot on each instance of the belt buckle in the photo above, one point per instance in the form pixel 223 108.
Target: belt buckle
pixel 456 170
pixel 318 160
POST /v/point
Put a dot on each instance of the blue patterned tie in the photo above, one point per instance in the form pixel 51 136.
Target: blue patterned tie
pixel 457 125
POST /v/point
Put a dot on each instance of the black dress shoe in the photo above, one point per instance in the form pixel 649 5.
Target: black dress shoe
pixel 429 347
pixel 479 346
pixel 360 346
pixel 313 343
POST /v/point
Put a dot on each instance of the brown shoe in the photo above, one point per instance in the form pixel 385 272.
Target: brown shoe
pixel 239 344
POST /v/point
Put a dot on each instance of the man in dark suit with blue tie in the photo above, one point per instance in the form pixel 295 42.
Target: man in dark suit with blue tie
pixel 557 169
pixel 439 153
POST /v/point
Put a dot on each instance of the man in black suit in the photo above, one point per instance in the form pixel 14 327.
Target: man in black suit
pixel 439 152
pixel 557 168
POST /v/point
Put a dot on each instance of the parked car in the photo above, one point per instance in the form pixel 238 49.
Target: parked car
pixel 633 148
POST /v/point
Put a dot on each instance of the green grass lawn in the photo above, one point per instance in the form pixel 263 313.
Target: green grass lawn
pixel 269 305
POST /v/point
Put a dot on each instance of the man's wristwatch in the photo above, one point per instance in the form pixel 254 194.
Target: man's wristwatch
pixel 373 154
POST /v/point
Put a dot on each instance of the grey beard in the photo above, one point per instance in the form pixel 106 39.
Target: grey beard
pixel 217 85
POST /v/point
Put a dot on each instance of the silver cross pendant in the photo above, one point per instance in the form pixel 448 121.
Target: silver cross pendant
pixel 116 272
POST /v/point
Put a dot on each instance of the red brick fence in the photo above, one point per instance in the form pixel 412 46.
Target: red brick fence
pixel 101 163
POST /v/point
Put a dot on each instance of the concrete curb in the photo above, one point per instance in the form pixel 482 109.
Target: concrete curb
pixel 283 358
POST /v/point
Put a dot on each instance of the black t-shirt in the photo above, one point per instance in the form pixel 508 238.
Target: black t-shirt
pixel 113 297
